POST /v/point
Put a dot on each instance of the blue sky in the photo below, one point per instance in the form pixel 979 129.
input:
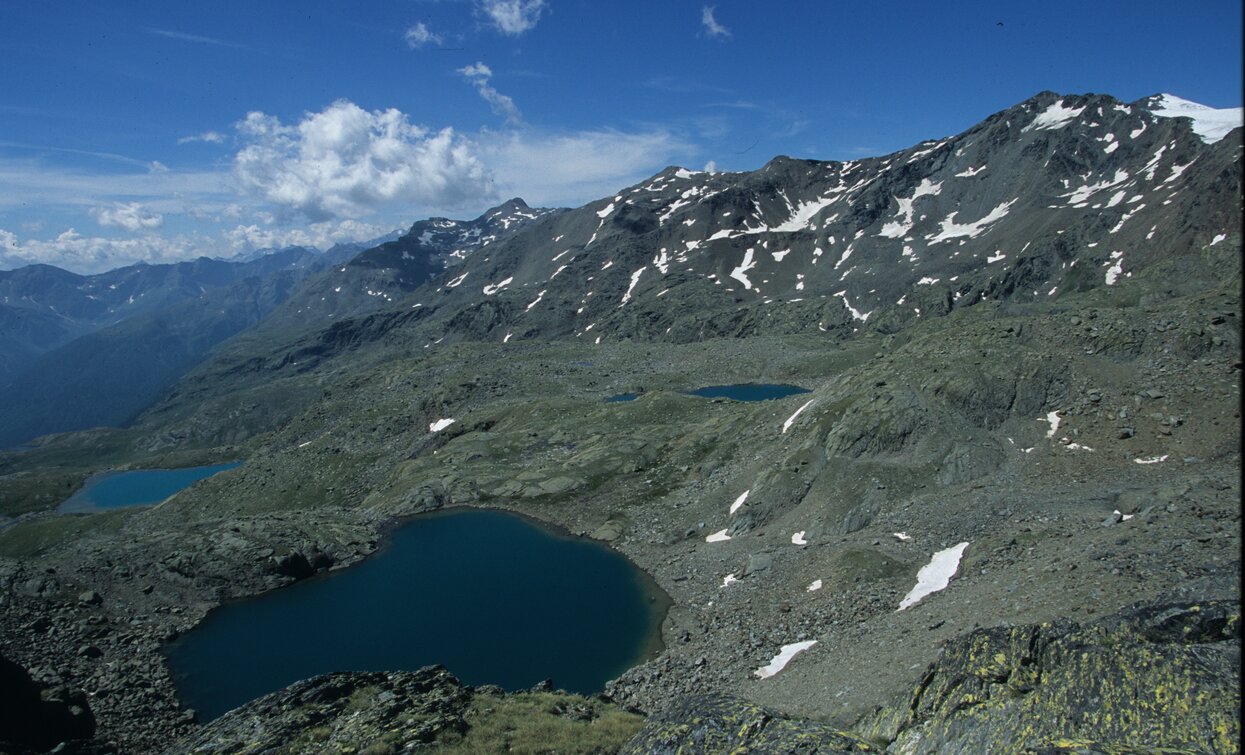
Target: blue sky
pixel 165 131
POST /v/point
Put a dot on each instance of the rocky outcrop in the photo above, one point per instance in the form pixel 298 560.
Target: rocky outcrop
pixel 335 712
pixel 1147 678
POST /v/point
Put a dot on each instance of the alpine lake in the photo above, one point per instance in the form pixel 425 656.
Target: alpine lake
pixel 140 487
pixel 490 595
pixel 734 392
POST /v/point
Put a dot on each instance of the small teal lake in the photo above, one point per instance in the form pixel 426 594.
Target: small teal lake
pixel 491 596
pixel 112 490
pixel 749 391
pixel 622 397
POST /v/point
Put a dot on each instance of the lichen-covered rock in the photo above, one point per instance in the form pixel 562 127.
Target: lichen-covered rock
pixel 1153 678
pixel 717 723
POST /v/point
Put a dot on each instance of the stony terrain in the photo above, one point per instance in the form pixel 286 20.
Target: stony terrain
pixel 1083 443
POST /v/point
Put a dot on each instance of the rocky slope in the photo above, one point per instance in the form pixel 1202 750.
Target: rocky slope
pixel 1079 449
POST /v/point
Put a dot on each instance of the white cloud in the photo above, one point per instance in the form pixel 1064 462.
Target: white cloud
pixel 512 17
pixel 210 137
pixel 476 70
pixel 319 235
pixel 419 35
pixel 345 161
pixel 131 216
pixel 84 254
pixel 712 27
pixel 479 74
pixel 569 169
pixel 182 36
pixel 711 167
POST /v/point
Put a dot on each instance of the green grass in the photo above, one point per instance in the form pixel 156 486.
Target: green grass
pixel 38 489
pixel 31 539
pixel 538 722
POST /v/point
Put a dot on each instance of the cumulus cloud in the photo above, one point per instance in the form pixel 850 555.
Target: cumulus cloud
pixel 419 35
pixel 210 137
pixel 512 17
pixel 132 216
pixel 345 161
pixel 92 254
pixel 712 27
pixel 479 75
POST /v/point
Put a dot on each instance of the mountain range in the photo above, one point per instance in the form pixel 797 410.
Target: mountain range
pixel 1021 346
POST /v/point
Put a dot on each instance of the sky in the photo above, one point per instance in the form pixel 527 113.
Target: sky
pixel 158 131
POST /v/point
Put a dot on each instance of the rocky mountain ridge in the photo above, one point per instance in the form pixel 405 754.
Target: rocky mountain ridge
pixel 1059 193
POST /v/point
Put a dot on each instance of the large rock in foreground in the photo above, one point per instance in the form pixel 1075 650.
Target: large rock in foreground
pixel 1153 677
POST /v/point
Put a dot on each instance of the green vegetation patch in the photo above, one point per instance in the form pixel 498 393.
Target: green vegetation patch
pixel 34 538
pixel 542 722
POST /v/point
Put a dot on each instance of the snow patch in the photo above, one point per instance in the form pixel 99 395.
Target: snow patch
pixel 780 661
pixel 740 273
pixel 814 587
pixel 1053 418
pixel 935 575
pixel 787 425
pixel 1054 117
pixel 1113 272
pixel 951 229
pixel 635 278
pixel 718 537
pixel 495 287
pixel 1211 124
pixel 856 314
pixel 440 425
pixel 1152 459
pixel 798 538
pixel 739 501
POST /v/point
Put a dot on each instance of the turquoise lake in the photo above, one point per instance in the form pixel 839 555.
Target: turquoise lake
pixel 749 391
pixel 112 490
pixel 487 594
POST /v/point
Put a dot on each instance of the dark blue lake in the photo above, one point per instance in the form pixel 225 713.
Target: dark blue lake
pixel 748 391
pixel 491 596
pixel 622 397
pixel 112 490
